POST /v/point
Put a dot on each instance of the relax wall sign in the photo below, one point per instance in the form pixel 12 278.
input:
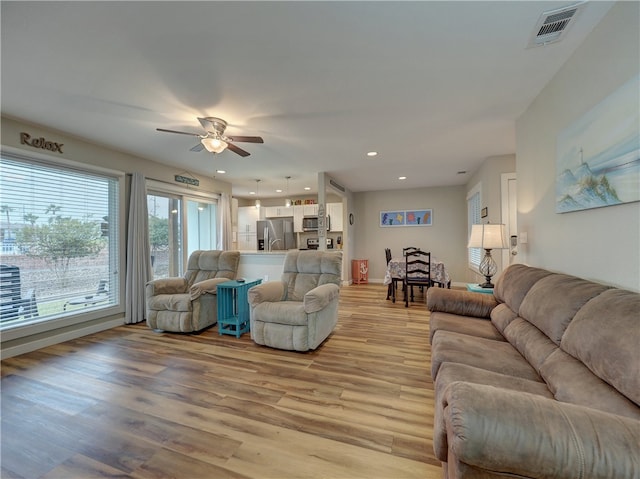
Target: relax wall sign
pixel 25 139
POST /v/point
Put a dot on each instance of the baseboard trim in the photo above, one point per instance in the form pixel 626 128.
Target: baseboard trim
pixel 29 346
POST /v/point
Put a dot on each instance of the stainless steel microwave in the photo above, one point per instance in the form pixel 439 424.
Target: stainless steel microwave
pixel 310 223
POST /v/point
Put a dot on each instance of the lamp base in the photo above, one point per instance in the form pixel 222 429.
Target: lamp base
pixel 487 285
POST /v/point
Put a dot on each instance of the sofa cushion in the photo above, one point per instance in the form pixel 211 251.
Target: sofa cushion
pixel 282 312
pixel 496 356
pixel 501 316
pixel 553 301
pixel 450 372
pixel 605 336
pixel 571 381
pixel 170 302
pixel 502 433
pixel 203 265
pixel 464 303
pixel 304 270
pixel 479 327
pixel 532 343
pixel 514 284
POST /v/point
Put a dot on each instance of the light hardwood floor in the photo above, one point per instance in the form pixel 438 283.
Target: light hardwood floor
pixel 129 402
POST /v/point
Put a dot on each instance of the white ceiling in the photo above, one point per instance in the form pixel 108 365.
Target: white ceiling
pixel 434 87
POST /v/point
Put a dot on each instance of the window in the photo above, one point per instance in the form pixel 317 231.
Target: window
pixel 180 223
pixel 59 237
pixel 473 210
pixel 165 234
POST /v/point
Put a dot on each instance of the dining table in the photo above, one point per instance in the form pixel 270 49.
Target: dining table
pixel 397 267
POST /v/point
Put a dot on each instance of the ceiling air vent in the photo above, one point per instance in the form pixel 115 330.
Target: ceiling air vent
pixel 337 185
pixel 553 25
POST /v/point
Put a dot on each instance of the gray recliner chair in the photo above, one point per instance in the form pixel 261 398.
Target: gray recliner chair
pixel 189 303
pixel 300 311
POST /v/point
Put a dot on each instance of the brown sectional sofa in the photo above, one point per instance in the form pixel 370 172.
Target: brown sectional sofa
pixel 539 380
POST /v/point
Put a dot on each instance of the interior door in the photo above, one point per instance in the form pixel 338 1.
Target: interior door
pixel 509 214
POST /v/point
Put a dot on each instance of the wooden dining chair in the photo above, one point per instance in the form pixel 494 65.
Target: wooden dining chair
pixel 391 289
pixel 417 273
pixel 409 249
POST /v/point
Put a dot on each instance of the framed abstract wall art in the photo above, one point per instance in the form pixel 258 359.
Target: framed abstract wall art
pixel 392 218
pixel 419 217
pixel 598 156
pixel 422 217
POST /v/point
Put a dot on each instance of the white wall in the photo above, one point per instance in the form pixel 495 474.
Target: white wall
pixel 85 152
pixel 82 151
pixel 489 177
pixel 446 239
pixel 600 244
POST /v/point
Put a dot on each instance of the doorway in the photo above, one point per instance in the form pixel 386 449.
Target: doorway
pixel 508 191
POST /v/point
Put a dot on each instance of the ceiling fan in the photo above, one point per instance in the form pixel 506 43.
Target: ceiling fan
pixel 215 140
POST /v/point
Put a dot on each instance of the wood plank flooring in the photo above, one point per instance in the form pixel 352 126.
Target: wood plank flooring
pixel 130 402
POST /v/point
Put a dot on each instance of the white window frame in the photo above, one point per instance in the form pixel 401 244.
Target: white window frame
pixel 474 207
pixel 37 325
pixel 185 194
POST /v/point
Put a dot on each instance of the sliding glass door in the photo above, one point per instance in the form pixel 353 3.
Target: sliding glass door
pixel 201 225
pixel 178 225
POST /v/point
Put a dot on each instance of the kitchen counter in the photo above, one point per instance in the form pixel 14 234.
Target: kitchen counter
pixel 257 252
pixel 264 265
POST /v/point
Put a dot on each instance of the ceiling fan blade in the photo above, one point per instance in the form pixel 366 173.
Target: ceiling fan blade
pixel 198 147
pixel 247 139
pixel 178 132
pixel 237 150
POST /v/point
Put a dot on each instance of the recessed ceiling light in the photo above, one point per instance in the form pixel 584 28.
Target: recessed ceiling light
pixel 372 153
pixel 307 188
pixel 402 177
pixel 252 192
pixel 278 190
pixel 222 172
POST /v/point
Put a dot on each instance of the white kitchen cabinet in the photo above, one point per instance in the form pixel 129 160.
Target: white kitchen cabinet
pixel 310 210
pixel 278 211
pixel 298 214
pixel 334 210
pixel 247 219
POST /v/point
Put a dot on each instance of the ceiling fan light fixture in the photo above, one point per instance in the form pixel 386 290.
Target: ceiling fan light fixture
pixel 214 145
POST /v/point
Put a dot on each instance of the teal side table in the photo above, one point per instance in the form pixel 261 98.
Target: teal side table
pixel 477 289
pixel 233 307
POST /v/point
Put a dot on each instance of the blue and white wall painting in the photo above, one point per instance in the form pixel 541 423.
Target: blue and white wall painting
pixel 422 217
pixel 598 156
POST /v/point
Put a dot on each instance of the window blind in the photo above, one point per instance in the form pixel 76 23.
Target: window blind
pixel 473 208
pixel 59 226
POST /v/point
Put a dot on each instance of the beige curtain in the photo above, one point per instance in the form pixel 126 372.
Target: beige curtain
pixel 139 270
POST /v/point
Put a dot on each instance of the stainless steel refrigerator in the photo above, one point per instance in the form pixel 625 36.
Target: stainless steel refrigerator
pixel 276 234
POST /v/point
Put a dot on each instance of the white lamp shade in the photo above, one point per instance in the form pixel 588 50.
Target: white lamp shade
pixel 487 236
pixel 214 145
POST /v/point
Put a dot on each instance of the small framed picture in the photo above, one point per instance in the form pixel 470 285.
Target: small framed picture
pixel 484 212
pixel 392 218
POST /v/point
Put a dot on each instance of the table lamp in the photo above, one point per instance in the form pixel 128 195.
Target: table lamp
pixel 487 237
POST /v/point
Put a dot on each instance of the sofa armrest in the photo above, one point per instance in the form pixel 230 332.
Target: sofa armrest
pixel 319 297
pixel 465 303
pixel 207 286
pixel 166 286
pixel 512 432
pixel 271 291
